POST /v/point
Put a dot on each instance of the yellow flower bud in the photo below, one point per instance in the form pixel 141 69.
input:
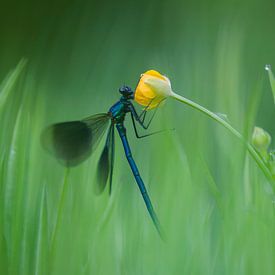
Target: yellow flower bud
pixel 260 139
pixel 152 89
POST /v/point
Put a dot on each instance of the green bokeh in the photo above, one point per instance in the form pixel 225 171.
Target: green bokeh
pixel 213 201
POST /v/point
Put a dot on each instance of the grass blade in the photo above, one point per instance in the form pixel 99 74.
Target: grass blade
pixel 271 79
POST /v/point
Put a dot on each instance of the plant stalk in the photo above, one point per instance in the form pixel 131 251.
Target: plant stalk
pixel 225 124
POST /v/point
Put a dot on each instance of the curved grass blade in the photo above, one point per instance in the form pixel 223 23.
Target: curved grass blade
pixel 72 142
pixel 106 162
pixel 271 79
pixel 9 82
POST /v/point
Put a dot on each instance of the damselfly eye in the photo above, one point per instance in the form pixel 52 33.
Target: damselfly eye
pixel 121 89
pixel 125 90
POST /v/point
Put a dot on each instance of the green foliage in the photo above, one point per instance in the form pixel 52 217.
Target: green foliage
pixel 214 202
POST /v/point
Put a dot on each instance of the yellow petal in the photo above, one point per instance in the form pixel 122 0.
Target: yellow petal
pixel 152 89
pixel 154 73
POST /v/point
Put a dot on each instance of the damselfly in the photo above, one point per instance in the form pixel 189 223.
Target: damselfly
pixel 72 142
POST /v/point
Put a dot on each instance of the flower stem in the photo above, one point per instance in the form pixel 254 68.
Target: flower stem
pixel 225 124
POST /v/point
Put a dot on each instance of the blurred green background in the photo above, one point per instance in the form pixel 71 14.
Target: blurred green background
pixel 214 203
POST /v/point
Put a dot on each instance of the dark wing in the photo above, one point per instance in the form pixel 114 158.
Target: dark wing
pixel 112 156
pixel 106 163
pixel 72 142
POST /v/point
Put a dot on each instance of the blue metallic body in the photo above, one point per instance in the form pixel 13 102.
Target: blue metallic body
pixel 117 113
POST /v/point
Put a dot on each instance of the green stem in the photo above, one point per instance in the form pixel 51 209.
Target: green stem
pixel 59 218
pixel 225 124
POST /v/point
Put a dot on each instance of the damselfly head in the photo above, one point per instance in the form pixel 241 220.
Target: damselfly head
pixel 126 91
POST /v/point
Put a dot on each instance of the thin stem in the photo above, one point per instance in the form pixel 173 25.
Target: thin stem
pixel 225 124
pixel 58 218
